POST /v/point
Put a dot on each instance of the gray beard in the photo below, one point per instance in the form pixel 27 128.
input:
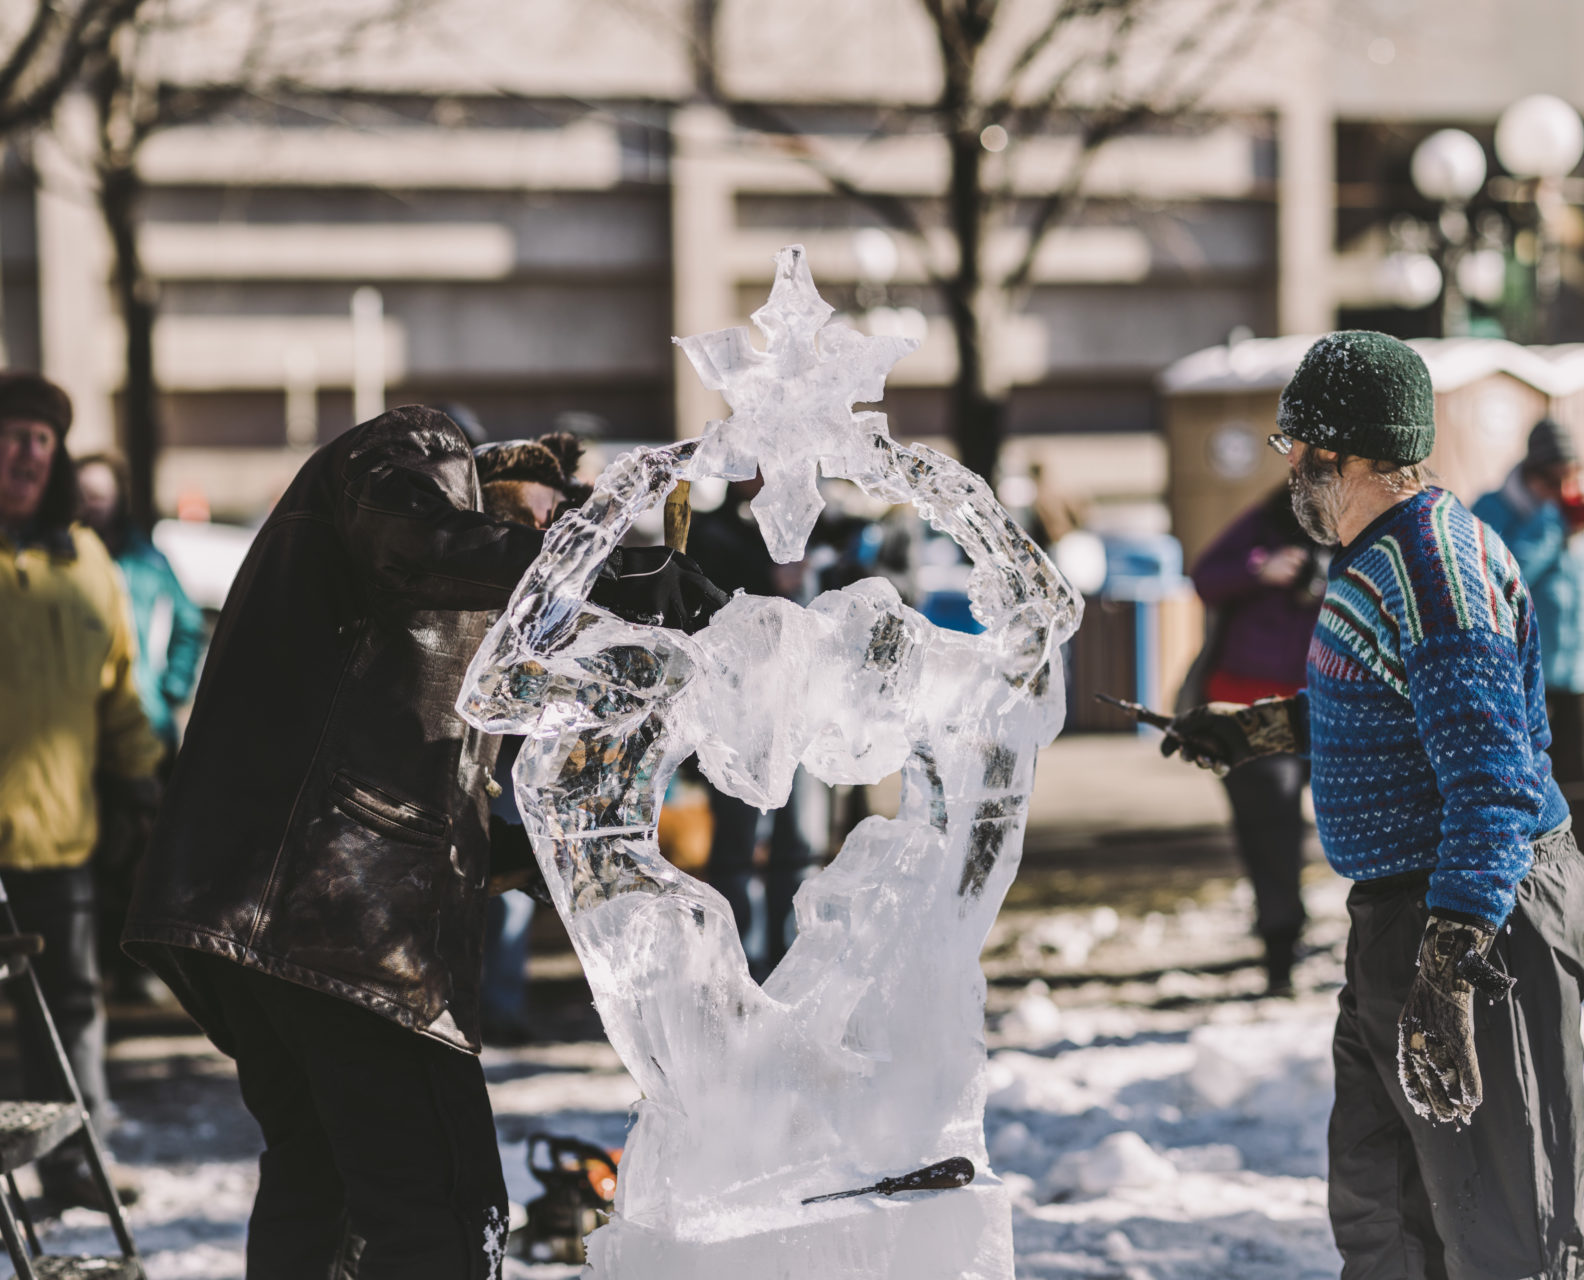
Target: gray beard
pixel 1317 499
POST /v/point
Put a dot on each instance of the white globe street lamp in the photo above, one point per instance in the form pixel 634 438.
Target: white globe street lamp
pixel 1411 280
pixel 1482 275
pixel 1540 137
pixel 1449 165
pixel 876 254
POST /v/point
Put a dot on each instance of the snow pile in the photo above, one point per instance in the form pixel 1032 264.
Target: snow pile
pixel 1122 1159
pixel 1254 1068
pixel 1073 935
pixel 1185 1145
pixel 1035 1019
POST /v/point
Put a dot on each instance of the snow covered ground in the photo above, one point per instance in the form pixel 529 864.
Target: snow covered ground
pixel 1154 1116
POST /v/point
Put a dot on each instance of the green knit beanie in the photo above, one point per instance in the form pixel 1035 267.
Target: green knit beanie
pixel 1362 393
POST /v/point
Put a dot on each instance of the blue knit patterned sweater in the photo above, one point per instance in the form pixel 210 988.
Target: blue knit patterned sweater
pixel 1426 710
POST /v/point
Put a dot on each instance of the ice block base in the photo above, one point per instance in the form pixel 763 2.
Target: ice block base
pixel 947 1235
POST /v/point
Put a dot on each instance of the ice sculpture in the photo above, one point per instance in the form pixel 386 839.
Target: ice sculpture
pixel 862 1056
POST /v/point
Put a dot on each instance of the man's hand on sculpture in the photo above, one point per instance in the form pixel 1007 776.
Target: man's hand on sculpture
pixel 1222 735
pixel 1435 1034
pixel 512 863
pixel 657 586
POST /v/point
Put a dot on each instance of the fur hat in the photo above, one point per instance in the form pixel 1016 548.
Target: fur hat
pixel 550 460
pixel 34 397
pixel 1363 393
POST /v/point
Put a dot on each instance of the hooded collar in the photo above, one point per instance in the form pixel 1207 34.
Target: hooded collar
pixel 1519 496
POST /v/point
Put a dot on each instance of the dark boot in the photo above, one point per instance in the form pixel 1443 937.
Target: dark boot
pixel 68 1184
pixel 1280 950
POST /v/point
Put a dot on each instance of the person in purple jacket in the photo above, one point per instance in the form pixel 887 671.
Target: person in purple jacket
pixel 1263 580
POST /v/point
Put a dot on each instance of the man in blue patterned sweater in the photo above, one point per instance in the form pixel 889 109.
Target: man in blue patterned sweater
pixel 1455 1142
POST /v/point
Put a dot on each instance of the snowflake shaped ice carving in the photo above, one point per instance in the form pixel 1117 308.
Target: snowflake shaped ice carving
pixel 863 1051
pixel 792 402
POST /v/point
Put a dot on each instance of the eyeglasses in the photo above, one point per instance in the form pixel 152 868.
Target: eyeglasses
pixel 1282 444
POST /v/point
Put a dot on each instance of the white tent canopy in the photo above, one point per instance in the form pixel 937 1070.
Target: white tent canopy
pixel 1266 364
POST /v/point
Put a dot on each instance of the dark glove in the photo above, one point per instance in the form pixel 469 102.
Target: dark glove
pixel 126 820
pixel 1222 735
pixel 1435 1034
pixel 513 864
pixel 658 587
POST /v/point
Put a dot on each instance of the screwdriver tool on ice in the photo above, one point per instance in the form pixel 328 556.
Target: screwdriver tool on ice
pixel 944 1175
pixel 1137 710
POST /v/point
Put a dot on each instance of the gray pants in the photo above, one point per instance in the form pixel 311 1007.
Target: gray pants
pixel 1499 1199
pixel 59 905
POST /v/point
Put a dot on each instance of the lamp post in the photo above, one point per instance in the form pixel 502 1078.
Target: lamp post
pixel 1448 167
pixel 1540 140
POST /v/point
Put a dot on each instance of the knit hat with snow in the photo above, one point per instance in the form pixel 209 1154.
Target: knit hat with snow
pixel 1362 393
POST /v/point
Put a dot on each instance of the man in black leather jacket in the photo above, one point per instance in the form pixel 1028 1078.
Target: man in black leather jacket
pixel 316 885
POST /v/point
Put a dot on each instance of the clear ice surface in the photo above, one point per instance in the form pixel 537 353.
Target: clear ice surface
pixel 862 1056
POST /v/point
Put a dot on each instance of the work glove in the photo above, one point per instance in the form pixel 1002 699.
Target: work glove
pixel 127 807
pixel 1222 735
pixel 658 587
pixel 1435 1034
pixel 512 863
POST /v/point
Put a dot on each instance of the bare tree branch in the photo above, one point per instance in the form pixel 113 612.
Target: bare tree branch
pixel 1090 94
pixel 1034 119
pixel 1244 34
pixel 1066 12
pixel 1060 204
pixel 1096 130
pixel 26 49
pixel 133 102
pixel 1122 117
pixel 896 211
pixel 88 34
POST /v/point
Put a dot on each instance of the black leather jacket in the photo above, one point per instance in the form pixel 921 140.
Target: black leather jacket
pixel 326 821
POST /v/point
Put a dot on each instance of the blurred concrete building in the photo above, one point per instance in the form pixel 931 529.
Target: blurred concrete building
pixel 529 200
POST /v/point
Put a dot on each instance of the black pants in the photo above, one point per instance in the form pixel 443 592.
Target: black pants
pixel 1500 1198
pixel 1267 814
pixel 1565 712
pixel 59 905
pixel 378 1141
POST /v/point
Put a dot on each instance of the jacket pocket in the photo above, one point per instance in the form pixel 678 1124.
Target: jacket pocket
pixel 382 812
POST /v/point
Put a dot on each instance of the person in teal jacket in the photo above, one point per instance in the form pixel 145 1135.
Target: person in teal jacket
pixel 170 634
pixel 169 627
pixel 1538 511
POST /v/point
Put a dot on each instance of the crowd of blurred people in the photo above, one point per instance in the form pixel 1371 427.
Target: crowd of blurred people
pixel 78 755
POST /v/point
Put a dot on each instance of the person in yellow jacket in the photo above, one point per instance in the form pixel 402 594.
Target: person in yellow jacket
pixel 71 714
